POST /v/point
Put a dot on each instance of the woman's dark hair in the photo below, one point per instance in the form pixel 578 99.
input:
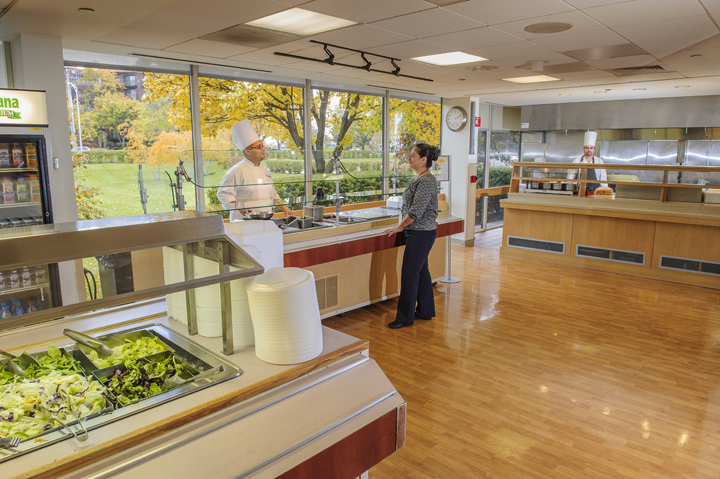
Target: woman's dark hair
pixel 428 151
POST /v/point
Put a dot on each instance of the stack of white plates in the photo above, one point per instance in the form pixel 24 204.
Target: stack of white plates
pixel 207 299
pixel 285 315
pixel 175 273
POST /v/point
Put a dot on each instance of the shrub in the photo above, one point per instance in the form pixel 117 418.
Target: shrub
pixel 107 156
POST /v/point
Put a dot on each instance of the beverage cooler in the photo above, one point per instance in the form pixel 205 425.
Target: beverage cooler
pixel 25 199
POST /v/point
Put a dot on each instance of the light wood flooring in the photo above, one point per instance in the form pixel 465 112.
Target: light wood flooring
pixel 532 370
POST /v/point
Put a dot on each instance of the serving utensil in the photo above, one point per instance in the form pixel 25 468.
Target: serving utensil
pixel 25 360
pixel 102 349
pixel 46 412
pixel 10 365
pixel 9 441
pixel 175 381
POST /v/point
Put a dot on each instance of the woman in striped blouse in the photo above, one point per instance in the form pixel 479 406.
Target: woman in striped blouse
pixel 420 209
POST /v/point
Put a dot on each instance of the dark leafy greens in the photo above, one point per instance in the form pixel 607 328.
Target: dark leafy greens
pixel 141 379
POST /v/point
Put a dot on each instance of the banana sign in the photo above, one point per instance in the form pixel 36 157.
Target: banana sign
pixel 23 108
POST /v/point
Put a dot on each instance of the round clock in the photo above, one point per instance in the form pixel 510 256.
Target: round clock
pixel 456 118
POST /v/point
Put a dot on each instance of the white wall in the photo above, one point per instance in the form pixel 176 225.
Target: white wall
pixel 38 65
pixel 457 145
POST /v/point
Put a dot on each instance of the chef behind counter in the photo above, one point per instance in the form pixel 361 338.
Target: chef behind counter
pixel 247 186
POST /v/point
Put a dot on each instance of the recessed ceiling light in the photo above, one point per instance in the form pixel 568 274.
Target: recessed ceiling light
pixel 639 89
pixel 565 94
pixel 482 68
pixel 461 79
pixel 548 27
pixel 451 58
pixel 300 22
pixel 601 91
pixel 682 86
pixel 695 56
pixel 532 79
pixel 85 9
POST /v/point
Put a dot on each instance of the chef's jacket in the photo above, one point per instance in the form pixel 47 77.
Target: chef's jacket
pixel 600 175
pixel 251 186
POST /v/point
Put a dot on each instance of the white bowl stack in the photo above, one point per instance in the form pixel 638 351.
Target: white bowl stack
pixel 207 299
pixel 285 315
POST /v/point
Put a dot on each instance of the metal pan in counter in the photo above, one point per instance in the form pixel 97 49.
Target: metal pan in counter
pixel 120 339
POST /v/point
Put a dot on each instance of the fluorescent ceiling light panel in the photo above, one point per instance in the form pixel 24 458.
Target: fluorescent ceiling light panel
pixel 452 58
pixel 532 79
pixel 300 22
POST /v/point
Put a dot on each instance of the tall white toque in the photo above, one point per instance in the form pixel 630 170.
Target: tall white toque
pixel 244 134
pixel 590 137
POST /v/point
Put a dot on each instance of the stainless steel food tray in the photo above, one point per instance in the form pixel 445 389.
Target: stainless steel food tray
pixel 192 353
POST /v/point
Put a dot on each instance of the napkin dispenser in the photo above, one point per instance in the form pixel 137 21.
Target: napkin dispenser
pixel 395 202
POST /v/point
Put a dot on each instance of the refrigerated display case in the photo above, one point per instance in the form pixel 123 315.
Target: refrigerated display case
pixel 25 199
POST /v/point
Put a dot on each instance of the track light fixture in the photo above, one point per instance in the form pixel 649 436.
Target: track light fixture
pixel 330 60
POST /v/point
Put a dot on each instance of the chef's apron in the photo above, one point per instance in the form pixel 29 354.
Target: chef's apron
pixel 592 176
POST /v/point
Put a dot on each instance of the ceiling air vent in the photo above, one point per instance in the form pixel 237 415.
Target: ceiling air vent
pixel 628 71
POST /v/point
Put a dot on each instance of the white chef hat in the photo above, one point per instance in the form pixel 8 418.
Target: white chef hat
pixel 244 134
pixel 590 137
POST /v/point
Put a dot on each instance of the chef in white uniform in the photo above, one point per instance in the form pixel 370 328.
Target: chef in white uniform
pixel 248 185
pixel 589 157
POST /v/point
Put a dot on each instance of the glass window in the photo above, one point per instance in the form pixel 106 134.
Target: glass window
pixel 276 113
pixel 411 122
pixel 347 140
pixel 119 140
pixel 481 178
pixel 4 83
pixel 504 149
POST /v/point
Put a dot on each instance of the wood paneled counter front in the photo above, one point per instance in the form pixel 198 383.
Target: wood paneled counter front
pixel 675 242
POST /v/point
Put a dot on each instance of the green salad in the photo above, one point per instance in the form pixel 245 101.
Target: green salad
pixel 54 361
pixel 24 403
pixel 128 352
pixel 141 379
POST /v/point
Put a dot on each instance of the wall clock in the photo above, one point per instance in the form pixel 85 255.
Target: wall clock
pixel 456 118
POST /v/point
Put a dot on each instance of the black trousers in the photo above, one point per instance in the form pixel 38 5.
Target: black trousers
pixel 415 282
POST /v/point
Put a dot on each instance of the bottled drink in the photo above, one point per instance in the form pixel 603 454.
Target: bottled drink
pixel 23 192
pixel 14 279
pixel 2 281
pixel 5 311
pixel 4 155
pixel 18 156
pixel 40 274
pixel 32 306
pixel 17 308
pixel 31 153
pixel 26 277
pixel 8 190
pixel 34 185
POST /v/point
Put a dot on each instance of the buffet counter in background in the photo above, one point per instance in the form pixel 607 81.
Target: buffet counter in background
pixel 668 241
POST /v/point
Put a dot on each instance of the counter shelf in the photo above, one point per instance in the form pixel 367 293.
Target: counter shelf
pixel 197 357
pixel 134 240
pixel 519 175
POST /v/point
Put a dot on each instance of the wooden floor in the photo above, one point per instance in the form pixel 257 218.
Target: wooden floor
pixel 533 370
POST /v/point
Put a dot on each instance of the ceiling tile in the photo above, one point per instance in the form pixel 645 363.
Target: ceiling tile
pixel 676 34
pixel 210 49
pixel 580 22
pixel 580 40
pixel 366 11
pixel 713 6
pixel 705 73
pixel 581 4
pixel 491 12
pixel 520 52
pixel 475 38
pixel 441 20
pixel 643 11
pixel 232 11
pixel 411 49
pixel 138 38
pixel 173 22
pixel 361 37
pixel 598 75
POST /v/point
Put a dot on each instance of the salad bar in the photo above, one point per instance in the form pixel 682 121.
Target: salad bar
pixel 62 392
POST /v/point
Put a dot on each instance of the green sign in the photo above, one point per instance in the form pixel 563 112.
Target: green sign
pixel 13 115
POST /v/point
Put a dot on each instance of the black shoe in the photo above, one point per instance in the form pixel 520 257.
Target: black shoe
pixel 397 324
pixel 424 319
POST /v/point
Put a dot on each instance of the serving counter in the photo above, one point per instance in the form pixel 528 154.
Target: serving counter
pixel 668 241
pixel 357 264
pixel 336 415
